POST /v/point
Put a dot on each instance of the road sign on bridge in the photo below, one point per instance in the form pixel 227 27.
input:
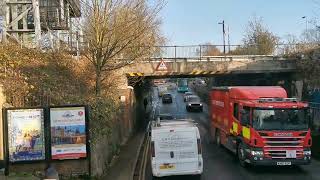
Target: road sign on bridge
pixel 162 66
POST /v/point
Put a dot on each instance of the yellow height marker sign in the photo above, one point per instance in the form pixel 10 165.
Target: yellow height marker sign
pixel 246 132
pixel 234 128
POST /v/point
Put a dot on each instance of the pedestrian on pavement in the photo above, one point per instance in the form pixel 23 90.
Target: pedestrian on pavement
pixel 51 173
pixel 145 103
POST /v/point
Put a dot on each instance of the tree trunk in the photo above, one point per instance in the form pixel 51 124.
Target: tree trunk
pixel 98 83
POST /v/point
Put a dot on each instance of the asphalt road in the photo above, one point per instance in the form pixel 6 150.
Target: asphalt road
pixel 220 164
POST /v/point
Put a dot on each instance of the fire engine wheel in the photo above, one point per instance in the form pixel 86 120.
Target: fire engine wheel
pixel 154 178
pixel 241 155
pixel 218 138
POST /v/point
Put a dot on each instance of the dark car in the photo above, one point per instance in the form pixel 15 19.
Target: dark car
pixel 165 117
pixel 166 98
pixel 194 103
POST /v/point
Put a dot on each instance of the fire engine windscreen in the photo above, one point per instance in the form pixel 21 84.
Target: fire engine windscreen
pixel 280 119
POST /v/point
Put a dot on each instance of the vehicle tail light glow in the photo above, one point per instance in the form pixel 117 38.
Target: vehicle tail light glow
pixel 153 153
pixel 199 146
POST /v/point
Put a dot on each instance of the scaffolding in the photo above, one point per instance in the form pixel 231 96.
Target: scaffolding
pixel 30 22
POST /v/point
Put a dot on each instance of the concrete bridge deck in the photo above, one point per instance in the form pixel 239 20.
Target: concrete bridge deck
pixel 211 66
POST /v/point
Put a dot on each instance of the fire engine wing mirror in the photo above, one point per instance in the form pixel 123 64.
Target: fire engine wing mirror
pixel 244 119
pixel 242 111
pixel 244 122
pixel 309 118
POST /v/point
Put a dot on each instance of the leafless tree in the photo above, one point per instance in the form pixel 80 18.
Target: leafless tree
pixel 258 39
pixel 119 33
pixel 210 50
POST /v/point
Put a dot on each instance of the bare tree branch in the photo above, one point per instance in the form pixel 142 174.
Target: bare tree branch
pixel 119 33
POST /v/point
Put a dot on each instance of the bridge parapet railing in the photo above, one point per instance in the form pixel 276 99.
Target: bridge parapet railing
pixel 219 58
pixel 229 52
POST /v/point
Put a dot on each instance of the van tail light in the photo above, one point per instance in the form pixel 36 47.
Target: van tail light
pixel 199 146
pixel 153 153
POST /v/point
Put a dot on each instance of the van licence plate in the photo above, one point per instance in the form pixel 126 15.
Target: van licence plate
pixel 167 166
pixel 283 163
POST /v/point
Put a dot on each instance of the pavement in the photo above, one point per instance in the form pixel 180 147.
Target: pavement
pixel 122 169
pixel 124 166
pixel 18 177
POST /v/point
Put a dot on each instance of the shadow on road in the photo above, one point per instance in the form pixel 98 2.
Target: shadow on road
pixel 285 170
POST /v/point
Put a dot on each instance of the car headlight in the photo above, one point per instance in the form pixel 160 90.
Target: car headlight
pixel 257 153
pixel 200 104
pixel 307 153
pixel 189 104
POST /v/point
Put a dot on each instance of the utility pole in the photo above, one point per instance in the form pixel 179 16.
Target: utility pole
pixel 229 39
pixel 37 25
pixel 224 37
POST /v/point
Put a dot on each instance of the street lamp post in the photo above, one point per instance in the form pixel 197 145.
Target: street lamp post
pixel 306 31
pixel 224 38
pixel 306 18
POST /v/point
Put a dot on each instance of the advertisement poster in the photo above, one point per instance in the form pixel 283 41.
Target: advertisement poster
pixel 26 135
pixel 68 133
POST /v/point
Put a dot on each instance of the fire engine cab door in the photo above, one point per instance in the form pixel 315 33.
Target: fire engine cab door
pixel 176 150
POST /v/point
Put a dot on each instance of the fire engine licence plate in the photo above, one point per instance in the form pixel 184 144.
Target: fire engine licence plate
pixel 283 163
pixel 291 154
pixel 167 166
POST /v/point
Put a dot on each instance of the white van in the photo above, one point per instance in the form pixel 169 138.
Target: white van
pixel 175 148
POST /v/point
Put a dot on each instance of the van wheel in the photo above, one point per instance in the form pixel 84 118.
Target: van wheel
pixel 218 138
pixel 155 178
pixel 197 177
pixel 241 155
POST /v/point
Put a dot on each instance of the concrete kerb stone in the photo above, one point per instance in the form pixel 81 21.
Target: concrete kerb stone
pixel 136 156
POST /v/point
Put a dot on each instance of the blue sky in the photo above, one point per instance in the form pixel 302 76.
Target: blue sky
pixel 193 22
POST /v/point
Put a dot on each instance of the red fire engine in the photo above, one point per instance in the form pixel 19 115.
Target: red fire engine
pixel 261 125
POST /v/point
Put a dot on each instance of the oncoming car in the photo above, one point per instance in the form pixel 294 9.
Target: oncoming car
pixel 193 103
pixel 167 98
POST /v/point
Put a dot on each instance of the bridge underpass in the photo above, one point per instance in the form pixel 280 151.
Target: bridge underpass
pixel 222 70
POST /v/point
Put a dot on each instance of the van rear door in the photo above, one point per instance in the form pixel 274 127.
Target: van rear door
pixel 176 150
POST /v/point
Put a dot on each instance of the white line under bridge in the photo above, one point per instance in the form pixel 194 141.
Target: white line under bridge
pixel 209 60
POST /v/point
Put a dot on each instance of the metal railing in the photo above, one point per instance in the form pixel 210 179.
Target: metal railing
pixel 232 51
pixel 216 52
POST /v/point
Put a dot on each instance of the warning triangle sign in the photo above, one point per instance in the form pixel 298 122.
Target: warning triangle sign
pixel 162 66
